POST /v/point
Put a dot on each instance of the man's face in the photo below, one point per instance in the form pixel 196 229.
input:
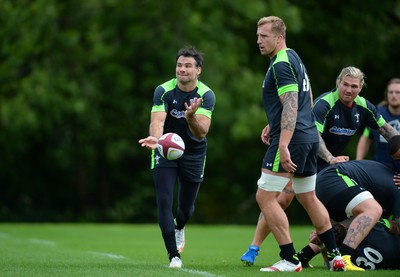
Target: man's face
pixel 186 70
pixel 393 95
pixel 348 89
pixel 267 40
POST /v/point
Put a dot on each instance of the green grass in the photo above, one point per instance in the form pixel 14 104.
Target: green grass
pixel 138 250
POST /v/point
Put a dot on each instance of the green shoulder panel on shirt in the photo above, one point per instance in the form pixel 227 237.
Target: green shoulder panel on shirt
pixel 282 56
pixel 360 101
pixel 167 86
pixel 202 89
pixel 331 98
pixel 171 84
pixel 363 103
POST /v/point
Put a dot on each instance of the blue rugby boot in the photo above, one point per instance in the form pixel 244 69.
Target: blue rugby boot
pixel 250 255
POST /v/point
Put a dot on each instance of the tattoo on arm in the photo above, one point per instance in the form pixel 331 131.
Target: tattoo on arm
pixel 323 151
pixel 289 102
pixel 387 131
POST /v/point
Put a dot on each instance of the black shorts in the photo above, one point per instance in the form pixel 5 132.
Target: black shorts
pixel 336 191
pixel 191 165
pixel 304 155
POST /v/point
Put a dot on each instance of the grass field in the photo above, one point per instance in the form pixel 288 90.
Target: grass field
pixel 138 250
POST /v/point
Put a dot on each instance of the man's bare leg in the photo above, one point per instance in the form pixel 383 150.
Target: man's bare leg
pixel 262 231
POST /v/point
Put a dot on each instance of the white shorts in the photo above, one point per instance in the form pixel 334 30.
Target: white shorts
pixel 357 200
pixel 269 182
pixel 304 184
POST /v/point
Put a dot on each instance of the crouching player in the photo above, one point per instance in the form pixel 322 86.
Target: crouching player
pixel 379 250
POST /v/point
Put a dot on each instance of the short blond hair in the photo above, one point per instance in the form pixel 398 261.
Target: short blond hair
pixel 278 25
pixel 352 72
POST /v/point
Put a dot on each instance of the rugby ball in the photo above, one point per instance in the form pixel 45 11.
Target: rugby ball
pixel 171 146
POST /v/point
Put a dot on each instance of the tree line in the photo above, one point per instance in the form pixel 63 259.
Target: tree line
pixel 76 86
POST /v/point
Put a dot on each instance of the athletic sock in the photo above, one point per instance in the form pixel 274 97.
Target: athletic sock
pixel 306 254
pixel 288 253
pixel 346 250
pixel 328 239
pixel 171 255
pixel 179 224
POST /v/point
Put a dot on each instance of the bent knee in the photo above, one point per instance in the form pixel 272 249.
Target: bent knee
pixel 377 209
pixel 370 207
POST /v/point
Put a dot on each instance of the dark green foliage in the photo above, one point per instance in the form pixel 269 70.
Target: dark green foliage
pixel 76 85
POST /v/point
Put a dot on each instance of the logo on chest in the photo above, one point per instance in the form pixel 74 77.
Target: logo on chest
pixel 357 116
pixel 177 114
pixel 341 131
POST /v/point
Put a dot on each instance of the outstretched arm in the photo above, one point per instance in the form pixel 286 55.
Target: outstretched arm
pixel 156 130
pixel 387 131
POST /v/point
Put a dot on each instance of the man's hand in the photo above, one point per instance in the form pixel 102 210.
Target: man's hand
pixel 192 108
pixel 265 135
pixel 315 239
pixel 339 159
pixel 150 142
pixel 286 160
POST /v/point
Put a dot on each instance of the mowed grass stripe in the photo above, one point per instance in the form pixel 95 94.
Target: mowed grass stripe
pixel 138 250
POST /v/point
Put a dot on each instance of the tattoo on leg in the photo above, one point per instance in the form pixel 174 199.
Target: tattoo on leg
pixel 357 231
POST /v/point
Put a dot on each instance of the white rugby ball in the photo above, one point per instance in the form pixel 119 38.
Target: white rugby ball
pixel 171 146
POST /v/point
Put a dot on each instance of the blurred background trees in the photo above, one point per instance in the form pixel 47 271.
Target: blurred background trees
pixel 76 86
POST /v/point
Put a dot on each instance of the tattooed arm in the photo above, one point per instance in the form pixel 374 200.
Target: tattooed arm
pixel 387 131
pixel 323 151
pixel 289 101
pixel 326 155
